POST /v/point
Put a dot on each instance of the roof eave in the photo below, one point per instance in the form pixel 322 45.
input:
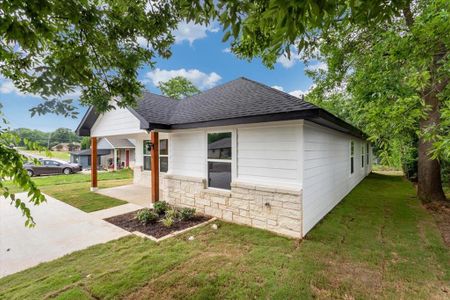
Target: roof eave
pixel 316 115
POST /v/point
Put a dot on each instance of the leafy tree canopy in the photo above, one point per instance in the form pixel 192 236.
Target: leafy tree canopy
pixel 52 48
pixel 45 139
pixel 387 65
pixel 178 88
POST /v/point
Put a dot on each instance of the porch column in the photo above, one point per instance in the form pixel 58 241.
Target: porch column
pixel 154 166
pixel 115 159
pixel 94 164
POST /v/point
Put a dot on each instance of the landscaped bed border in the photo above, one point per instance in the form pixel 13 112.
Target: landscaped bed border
pixel 136 223
pixel 173 234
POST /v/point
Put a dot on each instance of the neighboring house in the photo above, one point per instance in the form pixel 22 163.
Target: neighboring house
pixel 67 147
pixel 121 151
pixel 83 158
pixel 109 150
pixel 243 152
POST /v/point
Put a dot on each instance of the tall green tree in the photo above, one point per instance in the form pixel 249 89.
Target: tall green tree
pixel 178 88
pixel 395 78
pixel 390 60
pixel 56 48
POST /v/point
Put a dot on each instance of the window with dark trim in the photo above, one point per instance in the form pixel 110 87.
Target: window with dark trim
pixel 219 160
pixel 352 157
pixel 163 155
pixel 367 153
pixel 362 155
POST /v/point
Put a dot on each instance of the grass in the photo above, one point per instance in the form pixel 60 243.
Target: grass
pixel 378 243
pixel 80 196
pixel 64 155
pixel 74 189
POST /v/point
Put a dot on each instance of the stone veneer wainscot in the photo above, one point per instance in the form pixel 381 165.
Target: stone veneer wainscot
pixel 275 209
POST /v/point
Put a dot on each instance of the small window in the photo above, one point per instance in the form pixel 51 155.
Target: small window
pixel 147 156
pixel 363 148
pixel 367 153
pixel 352 157
pixel 219 160
pixel 163 155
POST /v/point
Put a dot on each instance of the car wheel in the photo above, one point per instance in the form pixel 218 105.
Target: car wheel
pixel 30 173
pixel 67 171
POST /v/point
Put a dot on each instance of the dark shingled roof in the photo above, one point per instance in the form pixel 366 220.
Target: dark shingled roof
pixel 155 108
pixel 239 101
pixel 238 98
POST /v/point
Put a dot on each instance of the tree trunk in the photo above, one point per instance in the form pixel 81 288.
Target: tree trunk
pixel 429 170
pixel 429 186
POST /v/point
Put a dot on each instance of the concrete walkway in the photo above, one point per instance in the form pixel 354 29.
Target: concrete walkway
pixel 115 211
pixel 133 193
pixel 60 229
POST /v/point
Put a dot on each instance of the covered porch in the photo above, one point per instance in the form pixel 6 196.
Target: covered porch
pixel 132 193
pixel 145 189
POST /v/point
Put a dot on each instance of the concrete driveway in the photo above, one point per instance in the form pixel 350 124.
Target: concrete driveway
pixel 60 229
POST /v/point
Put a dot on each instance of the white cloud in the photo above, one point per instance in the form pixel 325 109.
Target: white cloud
pixel 198 78
pixel 301 93
pixel 288 62
pixel 227 50
pixel 316 66
pixel 191 32
pixel 297 93
pixel 277 87
pixel 8 87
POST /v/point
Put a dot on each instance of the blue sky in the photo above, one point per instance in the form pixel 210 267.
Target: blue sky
pixel 198 54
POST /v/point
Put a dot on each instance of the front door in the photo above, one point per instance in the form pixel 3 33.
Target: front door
pixel 127 158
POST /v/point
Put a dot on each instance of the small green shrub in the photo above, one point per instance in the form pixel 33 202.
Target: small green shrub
pixel 147 216
pixel 173 213
pixel 161 207
pixel 187 213
pixel 168 221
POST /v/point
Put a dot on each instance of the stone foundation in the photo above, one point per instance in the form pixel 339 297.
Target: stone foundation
pixel 277 210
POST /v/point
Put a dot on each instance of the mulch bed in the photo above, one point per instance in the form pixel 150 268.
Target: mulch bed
pixel 130 223
pixel 441 213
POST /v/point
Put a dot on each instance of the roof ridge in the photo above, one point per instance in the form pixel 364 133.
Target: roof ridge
pixel 282 93
pixel 160 95
pixel 215 87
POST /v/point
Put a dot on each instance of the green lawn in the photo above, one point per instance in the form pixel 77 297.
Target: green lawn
pixel 74 189
pixel 378 243
pixel 64 155
pixel 80 196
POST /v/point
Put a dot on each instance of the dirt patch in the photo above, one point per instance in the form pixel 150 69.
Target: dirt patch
pixel 129 222
pixel 441 213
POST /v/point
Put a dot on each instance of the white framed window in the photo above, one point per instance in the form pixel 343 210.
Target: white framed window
pixel 219 159
pixel 352 157
pixel 163 155
pixel 363 148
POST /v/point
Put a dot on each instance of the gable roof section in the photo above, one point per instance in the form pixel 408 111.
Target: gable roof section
pixel 120 143
pixel 239 101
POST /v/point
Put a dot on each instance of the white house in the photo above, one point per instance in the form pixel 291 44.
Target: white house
pixel 242 152
pixel 121 153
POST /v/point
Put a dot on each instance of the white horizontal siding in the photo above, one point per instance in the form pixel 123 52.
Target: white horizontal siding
pixel 326 173
pixel 186 155
pixel 269 155
pixel 116 122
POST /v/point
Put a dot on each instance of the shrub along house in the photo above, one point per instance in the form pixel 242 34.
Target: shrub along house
pixel 242 152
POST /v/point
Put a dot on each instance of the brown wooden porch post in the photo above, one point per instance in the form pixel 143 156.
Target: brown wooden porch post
pixel 94 164
pixel 155 165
